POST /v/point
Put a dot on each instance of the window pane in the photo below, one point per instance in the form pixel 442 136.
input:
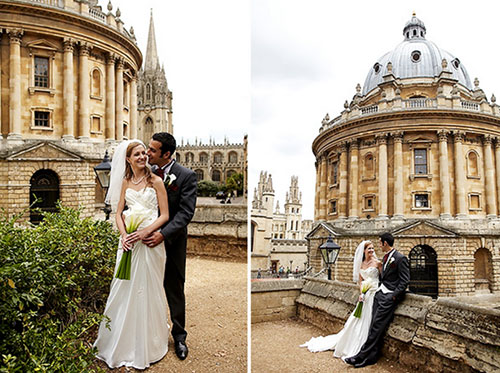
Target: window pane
pixel 41 72
pixel 42 119
pixel 420 161
pixel 421 200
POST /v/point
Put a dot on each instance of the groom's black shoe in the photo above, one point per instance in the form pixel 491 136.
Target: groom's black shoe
pixel 350 360
pixel 364 363
pixel 181 350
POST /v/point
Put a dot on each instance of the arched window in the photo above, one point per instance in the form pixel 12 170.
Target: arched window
pixel 44 186
pixel 96 83
pixel 148 128
pixel 368 166
pixel 233 157
pixel 199 174
pixel 148 91
pixel 472 164
pixel 218 157
pixel 203 158
pixel 483 270
pixel 189 157
pixel 423 271
pixel 216 176
pixel 230 173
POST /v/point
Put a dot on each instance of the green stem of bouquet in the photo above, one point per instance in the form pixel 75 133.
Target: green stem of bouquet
pixel 358 310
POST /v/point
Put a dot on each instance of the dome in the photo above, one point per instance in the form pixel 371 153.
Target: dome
pixel 414 57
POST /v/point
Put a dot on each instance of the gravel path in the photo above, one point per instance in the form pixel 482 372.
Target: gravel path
pixel 216 320
pixel 275 348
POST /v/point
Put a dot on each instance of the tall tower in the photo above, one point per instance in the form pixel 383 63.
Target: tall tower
pixel 154 99
pixel 293 211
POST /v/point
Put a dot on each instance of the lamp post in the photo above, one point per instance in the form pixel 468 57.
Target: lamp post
pixel 329 251
pixel 102 171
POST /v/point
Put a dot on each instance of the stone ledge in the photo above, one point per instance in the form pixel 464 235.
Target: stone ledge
pixel 276 285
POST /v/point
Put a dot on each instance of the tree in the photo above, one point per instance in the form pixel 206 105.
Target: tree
pixel 207 188
pixel 235 182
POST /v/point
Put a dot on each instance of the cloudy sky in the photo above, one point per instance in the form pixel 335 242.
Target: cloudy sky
pixel 205 47
pixel 307 58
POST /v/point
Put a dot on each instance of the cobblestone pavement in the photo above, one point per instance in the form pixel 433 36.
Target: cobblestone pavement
pixel 275 348
pixel 216 320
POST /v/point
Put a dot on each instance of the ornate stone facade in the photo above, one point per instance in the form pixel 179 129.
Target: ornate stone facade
pixel 278 237
pixel 153 96
pixel 69 73
pixel 418 150
pixel 214 162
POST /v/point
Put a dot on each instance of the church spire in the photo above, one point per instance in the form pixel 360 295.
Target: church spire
pixel 151 54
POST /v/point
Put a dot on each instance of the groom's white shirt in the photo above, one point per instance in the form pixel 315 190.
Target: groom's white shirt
pixel 382 287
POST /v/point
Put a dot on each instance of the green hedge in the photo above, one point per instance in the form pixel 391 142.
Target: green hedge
pixel 54 282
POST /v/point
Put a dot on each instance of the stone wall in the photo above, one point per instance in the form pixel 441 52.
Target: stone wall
pixel 426 335
pixel 274 300
pixel 219 230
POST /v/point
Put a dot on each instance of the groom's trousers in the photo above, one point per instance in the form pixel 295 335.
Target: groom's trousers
pixel 383 313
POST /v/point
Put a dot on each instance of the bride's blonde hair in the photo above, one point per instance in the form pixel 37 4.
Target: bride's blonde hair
pixel 128 169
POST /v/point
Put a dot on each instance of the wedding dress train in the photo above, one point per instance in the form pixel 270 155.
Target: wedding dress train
pixel 138 333
pixel 351 338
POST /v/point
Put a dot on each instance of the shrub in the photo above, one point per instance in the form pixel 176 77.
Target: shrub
pixel 54 281
pixel 208 188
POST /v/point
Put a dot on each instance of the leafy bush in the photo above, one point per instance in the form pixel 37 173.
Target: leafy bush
pixel 235 182
pixel 208 188
pixel 54 281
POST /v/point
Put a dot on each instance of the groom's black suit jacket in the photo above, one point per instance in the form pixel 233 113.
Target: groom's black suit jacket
pixel 181 194
pixel 396 275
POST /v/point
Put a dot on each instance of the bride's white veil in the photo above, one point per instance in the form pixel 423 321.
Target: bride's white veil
pixel 118 172
pixel 358 259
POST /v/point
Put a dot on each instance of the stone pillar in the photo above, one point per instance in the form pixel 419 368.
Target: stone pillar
pixel 119 100
pixel 317 190
pixel 15 83
pixel 382 175
pixel 110 97
pixel 84 93
pixel 398 176
pixel 323 203
pixel 133 108
pixel 353 180
pixel 461 203
pixel 444 175
pixel 342 203
pixel 497 158
pixel 489 173
pixel 68 91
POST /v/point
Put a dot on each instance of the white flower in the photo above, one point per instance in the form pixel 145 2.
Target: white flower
pixel 134 217
pixel 170 179
pixel 392 260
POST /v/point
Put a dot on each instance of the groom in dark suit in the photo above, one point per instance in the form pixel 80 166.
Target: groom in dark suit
pixel 394 279
pixel 181 184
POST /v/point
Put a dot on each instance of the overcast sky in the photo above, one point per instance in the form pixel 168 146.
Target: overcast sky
pixel 205 47
pixel 307 58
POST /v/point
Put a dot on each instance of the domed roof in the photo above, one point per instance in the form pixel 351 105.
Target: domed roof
pixel 414 57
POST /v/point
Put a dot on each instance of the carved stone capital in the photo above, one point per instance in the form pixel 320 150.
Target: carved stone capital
pixel 458 136
pixel 110 58
pixel 398 136
pixel 120 62
pixel 85 49
pixel 15 35
pixel 353 144
pixel 381 138
pixel 497 142
pixel 343 146
pixel 488 140
pixel 443 135
pixel 69 45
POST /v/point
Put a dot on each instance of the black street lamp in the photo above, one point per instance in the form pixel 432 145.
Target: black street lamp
pixel 329 251
pixel 102 171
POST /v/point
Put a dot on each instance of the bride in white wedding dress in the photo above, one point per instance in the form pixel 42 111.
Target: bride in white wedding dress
pixel 351 338
pixel 138 331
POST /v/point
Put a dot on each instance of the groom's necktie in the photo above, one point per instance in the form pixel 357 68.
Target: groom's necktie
pixel 160 172
pixel 385 258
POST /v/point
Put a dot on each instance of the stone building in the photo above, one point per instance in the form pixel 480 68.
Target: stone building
pixel 69 73
pixel 278 237
pixel 154 99
pixel 212 161
pixel 416 152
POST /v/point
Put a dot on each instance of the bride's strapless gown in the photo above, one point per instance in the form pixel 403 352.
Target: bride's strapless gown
pixel 351 338
pixel 138 334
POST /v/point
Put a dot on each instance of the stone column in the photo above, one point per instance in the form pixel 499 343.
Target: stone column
pixel 133 108
pixel 444 175
pixel 15 84
pixel 382 175
pixel 342 203
pixel 353 180
pixel 119 100
pixel 497 158
pixel 461 205
pixel 398 176
pixel 84 93
pixel 489 174
pixel 317 191
pixel 110 97
pixel 323 203
pixel 68 91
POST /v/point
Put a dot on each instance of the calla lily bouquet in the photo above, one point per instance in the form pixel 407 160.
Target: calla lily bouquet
pixel 133 218
pixel 365 286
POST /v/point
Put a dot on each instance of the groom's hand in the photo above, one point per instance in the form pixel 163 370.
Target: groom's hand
pixel 153 239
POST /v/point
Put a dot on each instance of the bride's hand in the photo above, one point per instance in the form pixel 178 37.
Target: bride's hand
pixel 137 236
pixel 126 246
pixel 361 298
